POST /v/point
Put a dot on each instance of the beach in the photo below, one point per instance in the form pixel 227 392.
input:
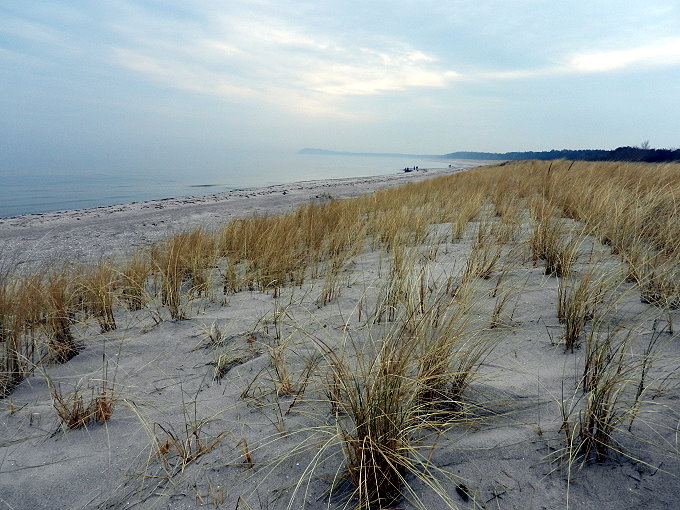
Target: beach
pixel 249 386
pixel 87 235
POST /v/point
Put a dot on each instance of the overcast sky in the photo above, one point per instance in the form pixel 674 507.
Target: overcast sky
pixel 83 80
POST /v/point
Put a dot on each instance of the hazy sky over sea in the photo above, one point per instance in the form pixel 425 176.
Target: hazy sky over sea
pixel 95 85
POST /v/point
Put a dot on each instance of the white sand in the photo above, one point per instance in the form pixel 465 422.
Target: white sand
pixel 163 376
pixel 87 234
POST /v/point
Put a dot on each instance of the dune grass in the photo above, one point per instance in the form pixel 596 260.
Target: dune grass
pixel 429 329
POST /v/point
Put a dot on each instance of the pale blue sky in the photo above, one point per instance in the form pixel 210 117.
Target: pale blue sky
pixel 99 85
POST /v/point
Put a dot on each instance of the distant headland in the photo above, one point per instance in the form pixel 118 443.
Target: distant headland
pixel 640 154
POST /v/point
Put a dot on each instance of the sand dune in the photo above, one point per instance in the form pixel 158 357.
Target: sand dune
pixel 241 403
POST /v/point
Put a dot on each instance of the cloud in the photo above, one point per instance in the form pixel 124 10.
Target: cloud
pixel 271 60
pixel 295 55
pixel 238 56
pixel 373 72
pixel 661 53
pixel 38 35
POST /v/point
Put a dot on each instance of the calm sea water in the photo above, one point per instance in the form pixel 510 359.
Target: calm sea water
pixel 27 194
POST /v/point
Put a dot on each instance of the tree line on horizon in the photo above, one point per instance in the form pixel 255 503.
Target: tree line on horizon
pixel 642 154
pixel 633 154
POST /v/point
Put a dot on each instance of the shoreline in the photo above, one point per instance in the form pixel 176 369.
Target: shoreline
pixel 86 235
pixel 244 378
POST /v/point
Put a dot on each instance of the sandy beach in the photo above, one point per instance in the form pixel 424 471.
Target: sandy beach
pixel 89 234
pixel 237 402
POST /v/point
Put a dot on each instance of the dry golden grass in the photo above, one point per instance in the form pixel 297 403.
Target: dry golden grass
pixel 375 409
pixel 577 301
pixel 61 298
pixel 613 386
pixel 133 278
pixel 71 408
pixel 98 287
pixel 421 353
pixel 11 331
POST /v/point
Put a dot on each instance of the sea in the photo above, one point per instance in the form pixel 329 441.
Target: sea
pixel 34 193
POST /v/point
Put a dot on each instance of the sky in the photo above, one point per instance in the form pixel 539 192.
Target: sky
pixel 142 84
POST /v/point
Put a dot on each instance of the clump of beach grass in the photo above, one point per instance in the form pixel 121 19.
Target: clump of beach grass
pixel 71 409
pixel 450 354
pixel 168 263
pixel 98 288
pixel 577 302
pixel 393 390
pixel 11 332
pixel 481 262
pixel 132 281
pixel 60 300
pixel 592 419
pixel 377 422
pixel 660 283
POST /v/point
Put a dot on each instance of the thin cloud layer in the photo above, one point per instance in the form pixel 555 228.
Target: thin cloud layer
pixel 267 59
pixel 271 61
pixel 659 54
pixel 354 69
pixel 662 53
